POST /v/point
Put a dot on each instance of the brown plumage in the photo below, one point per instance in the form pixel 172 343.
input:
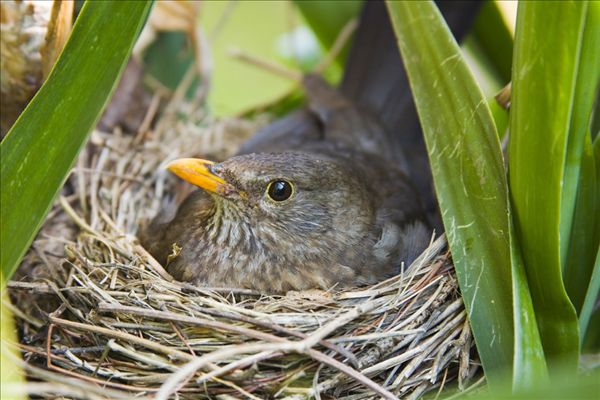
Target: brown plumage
pixel 318 199
pixel 351 217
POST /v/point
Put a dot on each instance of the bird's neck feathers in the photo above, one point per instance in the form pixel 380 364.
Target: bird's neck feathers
pixel 237 247
pixel 226 226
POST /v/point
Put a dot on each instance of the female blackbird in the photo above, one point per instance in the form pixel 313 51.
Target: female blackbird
pixel 317 199
pixel 324 212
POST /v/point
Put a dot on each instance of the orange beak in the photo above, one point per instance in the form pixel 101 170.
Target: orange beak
pixel 197 172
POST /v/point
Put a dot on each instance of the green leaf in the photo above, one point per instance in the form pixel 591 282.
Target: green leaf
pixel 595 125
pixel 565 387
pixel 589 319
pixel 468 171
pixel 547 44
pixel 579 200
pixel 591 341
pixel 494 39
pixel 169 57
pixel 488 49
pixel 12 373
pixel 591 298
pixel 529 364
pixel 584 234
pixel 488 79
pixel 481 65
pixel 39 150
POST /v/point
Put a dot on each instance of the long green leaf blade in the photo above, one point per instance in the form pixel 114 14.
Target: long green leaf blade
pixel 39 150
pixel 584 238
pixel 547 44
pixel 589 317
pixel 578 249
pixel 529 364
pixel 591 298
pixel 470 181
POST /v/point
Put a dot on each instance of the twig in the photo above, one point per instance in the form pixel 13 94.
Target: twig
pixel 125 337
pixel 415 350
pixel 148 117
pixel 182 338
pixel 338 45
pixel 81 386
pixel 278 328
pixel 153 263
pixel 342 320
pixel 106 173
pixel 188 369
pixel 376 336
pixel 169 316
pixel 267 65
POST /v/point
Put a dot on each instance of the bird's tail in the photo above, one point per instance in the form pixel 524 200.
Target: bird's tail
pixel 375 81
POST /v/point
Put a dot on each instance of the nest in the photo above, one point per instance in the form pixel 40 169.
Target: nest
pixel 100 318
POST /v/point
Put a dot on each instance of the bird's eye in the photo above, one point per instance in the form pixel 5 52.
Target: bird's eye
pixel 280 190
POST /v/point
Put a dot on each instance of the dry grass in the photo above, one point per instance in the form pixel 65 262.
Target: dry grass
pixel 99 318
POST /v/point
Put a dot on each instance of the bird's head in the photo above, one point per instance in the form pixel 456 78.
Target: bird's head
pixel 289 198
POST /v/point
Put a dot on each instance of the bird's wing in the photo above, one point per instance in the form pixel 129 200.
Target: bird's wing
pixel 285 134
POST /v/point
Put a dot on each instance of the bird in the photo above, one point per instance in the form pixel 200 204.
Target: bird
pixel 323 198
